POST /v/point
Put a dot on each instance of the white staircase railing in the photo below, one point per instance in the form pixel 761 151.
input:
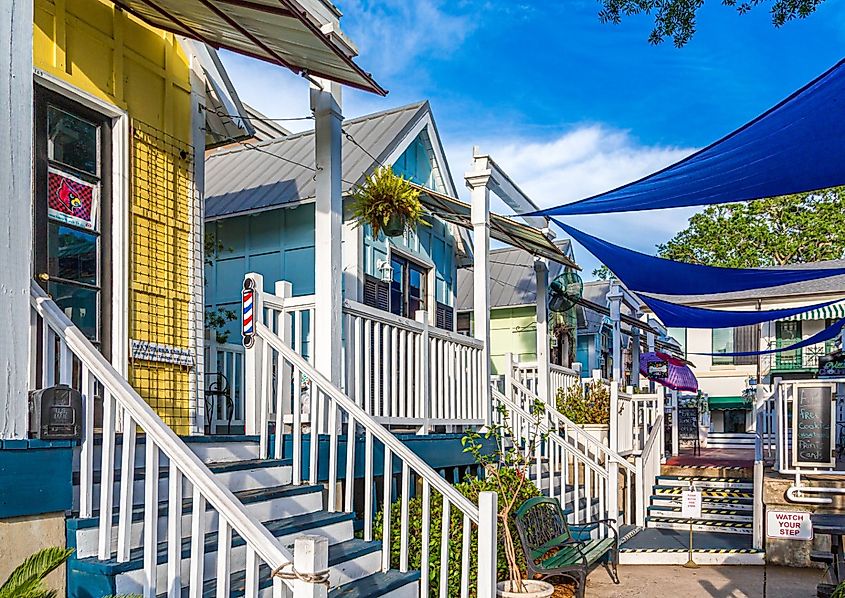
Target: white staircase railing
pixel 338 420
pixel 619 470
pixel 648 467
pixel 560 378
pixel 632 417
pixel 559 468
pixel 765 449
pixel 62 354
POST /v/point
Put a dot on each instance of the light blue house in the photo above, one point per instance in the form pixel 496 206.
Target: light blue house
pixel 260 218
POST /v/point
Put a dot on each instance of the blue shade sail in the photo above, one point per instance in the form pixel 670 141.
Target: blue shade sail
pixel 685 316
pixel 827 334
pixel 650 274
pixel 795 146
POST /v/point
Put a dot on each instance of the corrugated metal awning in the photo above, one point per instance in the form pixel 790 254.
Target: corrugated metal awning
pixel 283 32
pixel 502 229
pixel 832 312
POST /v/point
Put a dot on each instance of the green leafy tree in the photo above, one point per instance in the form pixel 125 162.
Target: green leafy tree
pixel 27 580
pixel 603 273
pixel 806 227
pixel 677 18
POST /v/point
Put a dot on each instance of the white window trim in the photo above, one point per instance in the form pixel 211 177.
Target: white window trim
pixel 119 210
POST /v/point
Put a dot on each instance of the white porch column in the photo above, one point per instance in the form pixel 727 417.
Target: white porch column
pixel 614 299
pixel 328 233
pixel 353 261
pixel 635 354
pixel 16 93
pixel 477 182
pixel 541 275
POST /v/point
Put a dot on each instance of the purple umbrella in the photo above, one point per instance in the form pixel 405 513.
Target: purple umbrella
pixel 669 371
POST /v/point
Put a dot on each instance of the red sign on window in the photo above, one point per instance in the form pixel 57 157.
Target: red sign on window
pixel 71 200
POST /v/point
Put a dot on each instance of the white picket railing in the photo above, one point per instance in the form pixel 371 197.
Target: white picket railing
pixel 337 419
pixel 527 373
pixel 647 465
pixel 632 417
pixel 406 372
pixel 588 447
pixel 62 354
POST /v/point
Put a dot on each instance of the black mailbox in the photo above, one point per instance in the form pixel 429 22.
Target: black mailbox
pixel 55 413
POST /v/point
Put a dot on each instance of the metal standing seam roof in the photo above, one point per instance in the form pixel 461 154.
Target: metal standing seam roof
pixel 259 176
pixel 290 33
pixel 512 279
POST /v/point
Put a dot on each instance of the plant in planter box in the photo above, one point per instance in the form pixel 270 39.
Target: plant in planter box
pixel 585 404
pixel 511 457
pixel 387 202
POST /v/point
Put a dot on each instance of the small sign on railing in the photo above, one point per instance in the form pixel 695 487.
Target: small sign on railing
pixel 789 525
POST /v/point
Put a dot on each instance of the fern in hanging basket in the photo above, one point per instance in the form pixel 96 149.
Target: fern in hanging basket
pixel 387 202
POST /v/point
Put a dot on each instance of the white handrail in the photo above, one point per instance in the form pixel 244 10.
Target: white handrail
pixel 370 424
pixel 159 436
pixel 648 468
pixel 330 411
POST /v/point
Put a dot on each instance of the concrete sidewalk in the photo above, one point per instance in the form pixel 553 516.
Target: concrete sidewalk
pixel 657 581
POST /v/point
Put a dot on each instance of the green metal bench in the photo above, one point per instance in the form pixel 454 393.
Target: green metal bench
pixel 553 548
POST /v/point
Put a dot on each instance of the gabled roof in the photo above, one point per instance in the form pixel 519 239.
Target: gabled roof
pixel 259 176
pixel 264 128
pixel 512 278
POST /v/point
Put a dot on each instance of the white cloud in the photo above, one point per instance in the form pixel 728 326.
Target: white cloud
pixel 587 160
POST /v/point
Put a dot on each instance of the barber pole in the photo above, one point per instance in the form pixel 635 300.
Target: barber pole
pixel 248 304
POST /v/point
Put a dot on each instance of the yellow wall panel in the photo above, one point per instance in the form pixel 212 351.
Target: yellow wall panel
pixel 143 71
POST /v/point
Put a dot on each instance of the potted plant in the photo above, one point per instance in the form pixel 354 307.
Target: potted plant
pixel 587 405
pixel 510 455
pixel 387 202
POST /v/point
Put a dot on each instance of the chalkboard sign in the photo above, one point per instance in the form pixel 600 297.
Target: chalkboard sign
pixel 812 432
pixel 687 423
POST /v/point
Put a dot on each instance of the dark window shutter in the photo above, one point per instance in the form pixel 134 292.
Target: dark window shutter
pixel 376 293
pixel 444 317
pixel 745 339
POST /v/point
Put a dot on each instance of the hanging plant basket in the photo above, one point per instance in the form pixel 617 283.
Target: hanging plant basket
pixel 387 202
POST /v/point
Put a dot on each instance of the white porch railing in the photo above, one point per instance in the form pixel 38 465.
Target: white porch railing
pixel 648 467
pixel 406 372
pixel 618 470
pixel 527 373
pixel 67 357
pixel 336 419
pixel 632 418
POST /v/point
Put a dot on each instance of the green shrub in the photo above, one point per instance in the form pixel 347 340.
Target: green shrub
pixel 590 406
pixel 470 488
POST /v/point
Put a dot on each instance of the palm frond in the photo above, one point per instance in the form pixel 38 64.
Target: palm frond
pixel 25 580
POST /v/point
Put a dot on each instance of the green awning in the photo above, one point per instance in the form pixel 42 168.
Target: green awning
pixel 728 403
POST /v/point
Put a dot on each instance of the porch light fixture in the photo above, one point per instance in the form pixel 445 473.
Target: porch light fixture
pixel 385 269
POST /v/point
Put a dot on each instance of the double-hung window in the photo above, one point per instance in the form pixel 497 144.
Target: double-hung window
pixel 734 340
pixel 408 287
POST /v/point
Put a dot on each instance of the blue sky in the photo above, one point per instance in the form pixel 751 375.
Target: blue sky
pixel 568 106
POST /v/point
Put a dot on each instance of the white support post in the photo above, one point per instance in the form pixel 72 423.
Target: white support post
pixel 16 101
pixel 425 367
pixel 353 260
pixel 509 367
pixel 488 543
pixel 757 513
pixel 310 557
pixel 635 354
pixel 253 362
pixel 477 181
pixel 614 299
pixel 613 428
pixel 675 423
pixel 651 342
pixel 661 411
pixel 541 275
pixel 643 491
pixel 328 233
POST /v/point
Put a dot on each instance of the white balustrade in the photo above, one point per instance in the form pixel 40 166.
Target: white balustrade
pixel 224 380
pixel 632 417
pixel 560 377
pixel 647 464
pixel 67 356
pixel 337 421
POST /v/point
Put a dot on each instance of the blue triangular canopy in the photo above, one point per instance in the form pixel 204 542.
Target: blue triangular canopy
pixel 685 316
pixel 827 334
pixel 795 146
pixel 650 274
